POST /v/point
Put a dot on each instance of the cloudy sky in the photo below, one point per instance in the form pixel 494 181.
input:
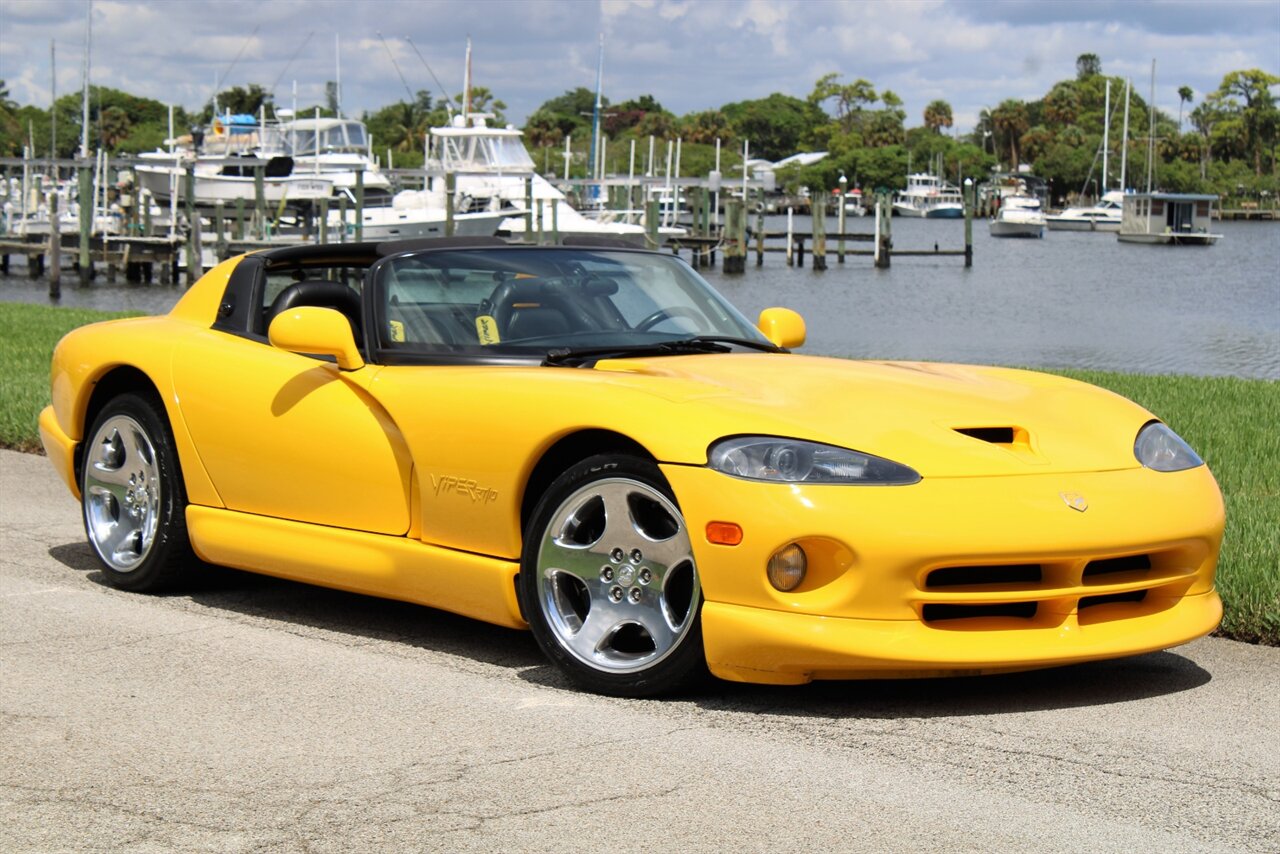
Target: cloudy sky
pixel 689 54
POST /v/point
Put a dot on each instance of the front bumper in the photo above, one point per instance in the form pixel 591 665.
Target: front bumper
pixel 60 448
pixel 1040 583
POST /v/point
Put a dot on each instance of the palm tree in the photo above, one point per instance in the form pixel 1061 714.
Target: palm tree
pixel 113 127
pixel 1185 96
pixel 937 115
pixel 1010 121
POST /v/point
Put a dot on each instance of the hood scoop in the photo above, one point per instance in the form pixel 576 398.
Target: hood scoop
pixel 994 435
pixel 1016 440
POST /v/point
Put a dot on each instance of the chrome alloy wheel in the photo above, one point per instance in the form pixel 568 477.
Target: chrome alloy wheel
pixel 616 576
pixel 121 492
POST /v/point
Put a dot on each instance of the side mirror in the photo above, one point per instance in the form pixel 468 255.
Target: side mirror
pixel 319 331
pixel 782 326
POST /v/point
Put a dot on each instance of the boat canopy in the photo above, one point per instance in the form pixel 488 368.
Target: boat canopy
pixel 328 135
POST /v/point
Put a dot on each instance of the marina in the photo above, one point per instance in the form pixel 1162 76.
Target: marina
pixel 1071 300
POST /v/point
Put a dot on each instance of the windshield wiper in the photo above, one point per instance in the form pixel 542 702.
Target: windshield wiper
pixel 577 356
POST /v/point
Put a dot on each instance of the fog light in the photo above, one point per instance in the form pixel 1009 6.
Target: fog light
pixel 787 567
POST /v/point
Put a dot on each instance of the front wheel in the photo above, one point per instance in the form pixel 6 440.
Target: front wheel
pixel 133 496
pixel 608 581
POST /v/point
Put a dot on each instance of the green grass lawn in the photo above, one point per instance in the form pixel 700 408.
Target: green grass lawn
pixel 28 334
pixel 1231 422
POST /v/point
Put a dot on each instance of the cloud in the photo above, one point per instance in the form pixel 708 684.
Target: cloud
pixel 689 55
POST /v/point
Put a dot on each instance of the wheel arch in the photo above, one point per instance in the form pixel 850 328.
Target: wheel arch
pixel 124 378
pixel 115 381
pixel 568 451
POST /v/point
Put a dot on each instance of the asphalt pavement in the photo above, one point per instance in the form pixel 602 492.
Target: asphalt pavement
pixel 250 714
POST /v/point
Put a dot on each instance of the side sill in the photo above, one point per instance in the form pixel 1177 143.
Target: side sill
pixel 475 586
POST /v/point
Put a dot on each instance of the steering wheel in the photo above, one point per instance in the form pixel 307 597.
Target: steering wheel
pixel 667 314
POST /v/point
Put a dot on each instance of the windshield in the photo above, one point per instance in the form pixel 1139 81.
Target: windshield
pixel 528 301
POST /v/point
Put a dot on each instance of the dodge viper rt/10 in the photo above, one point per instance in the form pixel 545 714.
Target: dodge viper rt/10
pixel 590 442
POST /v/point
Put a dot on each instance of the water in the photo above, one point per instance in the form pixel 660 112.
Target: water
pixel 1070 300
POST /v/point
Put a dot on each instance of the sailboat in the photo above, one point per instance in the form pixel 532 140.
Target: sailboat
pixel 1106 215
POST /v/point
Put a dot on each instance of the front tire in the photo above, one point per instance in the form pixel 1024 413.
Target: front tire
pixel 608 580
pixel 133 497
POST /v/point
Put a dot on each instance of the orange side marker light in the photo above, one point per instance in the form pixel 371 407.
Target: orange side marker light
pixel 724 533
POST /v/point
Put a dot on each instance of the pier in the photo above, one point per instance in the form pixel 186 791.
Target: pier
pixel 155 243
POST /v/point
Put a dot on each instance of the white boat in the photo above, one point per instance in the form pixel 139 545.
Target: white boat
pixel 306 160
pixel 340 150
pixel 1019 216
pixel 1171 219
pixel 853 205
pixel 491 166
pixel 930 197
pixel 1104 216
pixel 416 213
pixel 162 174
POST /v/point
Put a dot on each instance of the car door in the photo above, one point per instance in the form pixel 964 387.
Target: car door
pixel 287 436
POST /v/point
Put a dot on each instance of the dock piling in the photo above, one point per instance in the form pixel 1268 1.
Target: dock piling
pixel 359 206
pixel 85 190
pixel 55 248
pixel 735 248
pixel 818 207
pixel 450 191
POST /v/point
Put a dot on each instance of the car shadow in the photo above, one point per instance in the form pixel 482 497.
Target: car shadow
pixel 336 611
pixel 1093 684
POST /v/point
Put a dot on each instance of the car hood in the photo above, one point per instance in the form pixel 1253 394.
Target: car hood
pixel 943 420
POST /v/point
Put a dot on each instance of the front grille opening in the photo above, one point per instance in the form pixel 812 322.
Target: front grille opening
pixel 1019 610
pixel 1109 566
pixel 1093 601
pixel 994 435
pixel 965 576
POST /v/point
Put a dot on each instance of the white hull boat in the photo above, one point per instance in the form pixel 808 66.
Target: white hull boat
pixel 1106 215
pixel 1019 216
pixel 929 197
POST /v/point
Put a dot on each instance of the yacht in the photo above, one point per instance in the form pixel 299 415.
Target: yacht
pixel 416 213
pixel 491 166
pixel 1019 216
pixel 216 157
pixel 338 150
pixel 930 197
pixel 1104 216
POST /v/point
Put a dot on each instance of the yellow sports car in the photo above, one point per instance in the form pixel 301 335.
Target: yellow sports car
pixel 589 441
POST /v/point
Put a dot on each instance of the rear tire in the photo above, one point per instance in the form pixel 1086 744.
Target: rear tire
pixel 608 581
pixel 133 497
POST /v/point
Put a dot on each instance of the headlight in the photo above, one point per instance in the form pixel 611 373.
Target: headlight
pixel 1159 448
pixel 778 460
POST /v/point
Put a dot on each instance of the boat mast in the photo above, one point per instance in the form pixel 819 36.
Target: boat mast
pixel 595 115
pixel 466 86
pixel 1124 143
pixel 1106 137
pixel 337 85
pixel 1151 127
pixel 53 103
pixel 84 121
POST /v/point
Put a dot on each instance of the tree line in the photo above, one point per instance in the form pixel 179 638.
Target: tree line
pixel 1224 141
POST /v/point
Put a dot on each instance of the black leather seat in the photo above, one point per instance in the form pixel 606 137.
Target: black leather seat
pixel 321 293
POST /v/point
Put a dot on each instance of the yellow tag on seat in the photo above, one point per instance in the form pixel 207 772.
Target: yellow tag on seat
pixel 487 330
pixel 397 331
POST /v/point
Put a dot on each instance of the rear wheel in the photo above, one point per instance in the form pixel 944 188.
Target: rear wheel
pixel 133 497
pixel 608 581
